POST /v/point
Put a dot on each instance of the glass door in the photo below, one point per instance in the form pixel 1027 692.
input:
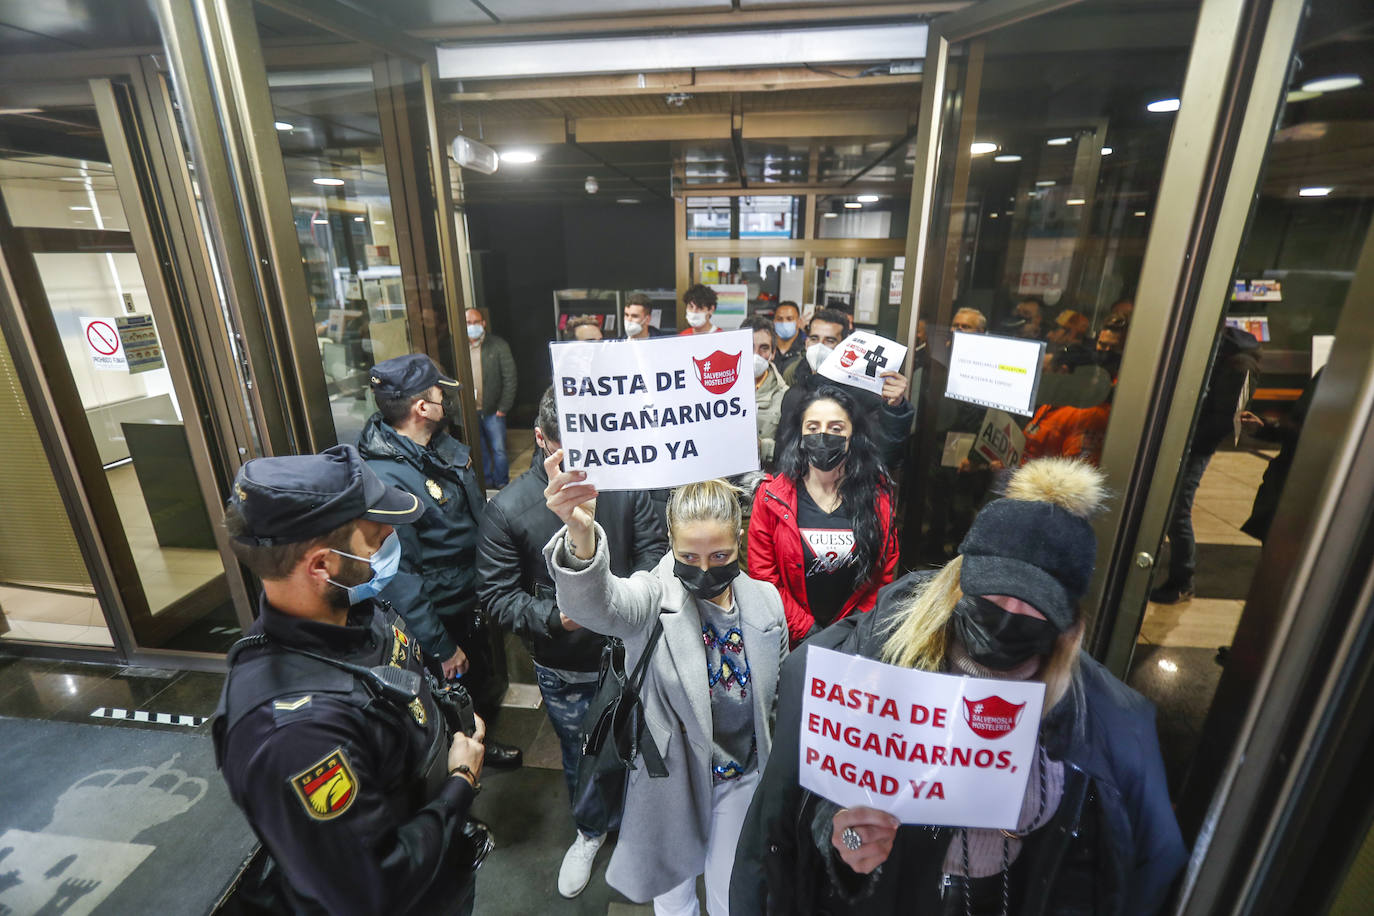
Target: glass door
pixel 98 332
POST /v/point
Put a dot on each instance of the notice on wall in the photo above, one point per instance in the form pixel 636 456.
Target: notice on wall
pixel 1257 291
pixel 142 349
pixel 1255 325
pixel 658 413
pixel 1000 439
pixel 861 359
pixel 927 748
pixel 103 346
pixel 866 298
pixel 1321 351
pixel 732 301
pixel 992 371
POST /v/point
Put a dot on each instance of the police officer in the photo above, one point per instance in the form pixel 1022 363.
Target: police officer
pixel 406 442
pixel 329 734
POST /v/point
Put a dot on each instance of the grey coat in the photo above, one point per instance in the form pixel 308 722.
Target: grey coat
pixel 664 831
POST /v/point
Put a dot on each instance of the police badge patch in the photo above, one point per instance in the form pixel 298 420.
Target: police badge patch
pixel 327 788
pixel 436 492
pixel 417 709
pixel 399 643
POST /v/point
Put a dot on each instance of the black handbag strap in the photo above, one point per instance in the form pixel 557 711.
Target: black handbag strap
pixel 653 760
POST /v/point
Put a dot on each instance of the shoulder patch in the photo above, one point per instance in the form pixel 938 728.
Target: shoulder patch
pixel 327 787
pixel 291 705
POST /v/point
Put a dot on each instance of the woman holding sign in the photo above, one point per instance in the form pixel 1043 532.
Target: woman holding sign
pixel 1095 833
pixel 822 528
pixel 710 689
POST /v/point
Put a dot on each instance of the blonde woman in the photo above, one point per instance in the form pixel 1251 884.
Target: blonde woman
pixel 1096 833
pixel 711 683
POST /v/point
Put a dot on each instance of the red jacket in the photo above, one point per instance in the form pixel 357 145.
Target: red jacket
pixel 776 554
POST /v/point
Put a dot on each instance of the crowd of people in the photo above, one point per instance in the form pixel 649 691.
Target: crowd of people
pixel 385 565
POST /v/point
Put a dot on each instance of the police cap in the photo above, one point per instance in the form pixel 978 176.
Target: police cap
pixel 403 376
pixel 298 497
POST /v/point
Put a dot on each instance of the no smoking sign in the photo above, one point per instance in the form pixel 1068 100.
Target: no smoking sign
pixel 103 344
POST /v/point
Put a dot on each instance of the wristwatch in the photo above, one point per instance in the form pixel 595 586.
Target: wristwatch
pixel 463 770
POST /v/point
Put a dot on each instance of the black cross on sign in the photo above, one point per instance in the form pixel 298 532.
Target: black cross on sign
pixel 875 360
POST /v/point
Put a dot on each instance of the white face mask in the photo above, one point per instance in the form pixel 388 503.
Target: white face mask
pixel 475 331
pixel 697 319
pixel 632 328
pixel 816 354
pixel 760 366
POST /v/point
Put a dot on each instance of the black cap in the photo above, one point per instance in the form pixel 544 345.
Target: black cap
pixel 298 497
pixel 404 376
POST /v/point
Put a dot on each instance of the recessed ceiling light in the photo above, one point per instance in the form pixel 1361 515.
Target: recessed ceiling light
pixel 627 200
pixel 1332 83
pixel 282 125
pixel 379 222
pixel 993 215
pixel 328 182
pixel 852 205
pixel 1138 213
pixel 1107 150
pixel 1163 105
pixel 519 156
pixel 78 208
pixel 1075 201
pixel 982 147
pixel 829 215
pixel 1059 141
pixel 867 198
pixel 1044 184
pixel 1007 157
pixel 360 219
pixel 320 222
pixel 1301 95
pixel 1315 192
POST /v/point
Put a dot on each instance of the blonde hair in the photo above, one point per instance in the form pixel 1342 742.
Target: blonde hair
pixel 705 501
pixel 919 637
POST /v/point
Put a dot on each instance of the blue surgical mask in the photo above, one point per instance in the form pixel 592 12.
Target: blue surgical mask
pixel 385 563
pixel 786 329
pixel 475 331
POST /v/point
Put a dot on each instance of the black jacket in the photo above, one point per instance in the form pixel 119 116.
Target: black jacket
pixel 516 588
pixel 1112 848
pixel 1235 361
pixel 891 425
pixel 371 837
pixel 439 552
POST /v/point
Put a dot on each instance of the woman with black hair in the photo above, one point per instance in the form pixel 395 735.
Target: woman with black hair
pixel 822 527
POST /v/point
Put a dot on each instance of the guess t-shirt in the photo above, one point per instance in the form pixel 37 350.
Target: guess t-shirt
pixel 828 548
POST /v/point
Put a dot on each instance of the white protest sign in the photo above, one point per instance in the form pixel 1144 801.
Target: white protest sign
pixel 926 748
pixel 103 345
pixel 643 414
pixel 860 360
pixel 1000 439
pixel 1000 372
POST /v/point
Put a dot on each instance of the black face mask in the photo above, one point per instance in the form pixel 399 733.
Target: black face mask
pixel 705 583
pixel 824 451
pixel 998 639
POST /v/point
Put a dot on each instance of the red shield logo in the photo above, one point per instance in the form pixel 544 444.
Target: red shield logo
pixel 718 372
pixel 992 717
pixel 849 355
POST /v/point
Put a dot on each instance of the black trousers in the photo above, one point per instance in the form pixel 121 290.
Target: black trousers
pixel 486 678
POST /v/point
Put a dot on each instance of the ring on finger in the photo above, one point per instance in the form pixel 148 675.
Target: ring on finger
pixel 851 839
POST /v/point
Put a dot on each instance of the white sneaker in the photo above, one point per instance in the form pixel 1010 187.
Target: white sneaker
pixel 576 869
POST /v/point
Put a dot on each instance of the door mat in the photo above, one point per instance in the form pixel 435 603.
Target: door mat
pixel 107 820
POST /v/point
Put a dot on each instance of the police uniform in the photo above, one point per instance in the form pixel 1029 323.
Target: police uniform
pixel 345 783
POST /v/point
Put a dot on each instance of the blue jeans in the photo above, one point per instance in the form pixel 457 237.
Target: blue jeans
pixel 494 450
pixel 566 702
pixel 1182 544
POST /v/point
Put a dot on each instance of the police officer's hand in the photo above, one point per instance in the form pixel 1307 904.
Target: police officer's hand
pixel 455 666
pixel 574 502
pixel 876 829
pixel 465 751
pixel 894 387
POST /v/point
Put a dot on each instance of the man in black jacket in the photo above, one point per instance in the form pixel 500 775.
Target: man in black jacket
pixel 406 443
pixel 518 593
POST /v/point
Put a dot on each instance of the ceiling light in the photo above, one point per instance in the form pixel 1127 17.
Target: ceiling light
pixel 627 200
pixel 1332 83
pixel 519 156
pixel 379 222
pixel 1315 192
pixel 1044 184
pixel 320 222
pixel 1007 157
pixel 1138 213
pixel 1075 201
pixel 982 147
pixel 829 215
pixel 78 208
pixel 1300 95
pixel 1107 150
pixel 1059 141
pixel 1163 105
pixel 993 215
pixel 282 125
pixel 867 198
pixel 360 219
pixel 852 205
pixel 328 182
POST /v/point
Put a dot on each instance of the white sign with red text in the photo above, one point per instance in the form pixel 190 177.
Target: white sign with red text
pixel 644 414
pixel 861 359
pixel 927 748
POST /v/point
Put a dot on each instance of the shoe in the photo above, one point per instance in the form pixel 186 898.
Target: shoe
pixel 477 834
pixel 500 756
pixel 1223 655
pixel 576 869
pixel 1172 594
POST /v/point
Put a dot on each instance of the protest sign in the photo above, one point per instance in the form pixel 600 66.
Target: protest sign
pixel 927 748
pixel 657 413
pixel 860 360
pixel 992 371
pixel 1000 439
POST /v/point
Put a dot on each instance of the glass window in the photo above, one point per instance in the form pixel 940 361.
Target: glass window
pixel 861 216
pixel 745 217
pixel 870 289
pixel 763 281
